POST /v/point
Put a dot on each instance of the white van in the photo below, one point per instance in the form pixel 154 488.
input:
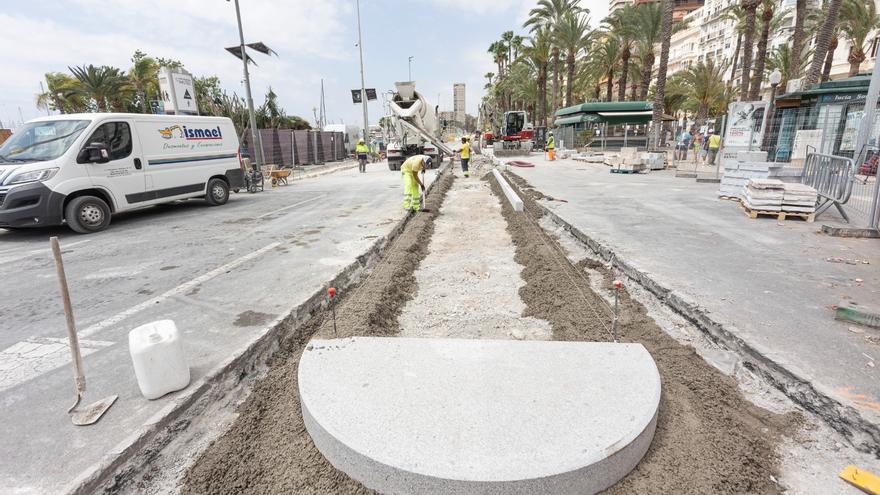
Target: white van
pixel 80 169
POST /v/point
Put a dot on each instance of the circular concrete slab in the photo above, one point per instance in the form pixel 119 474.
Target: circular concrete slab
pixel 480 416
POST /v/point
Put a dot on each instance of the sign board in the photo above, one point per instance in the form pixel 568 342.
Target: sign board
pixel 803 139
pixel 178 92
pixel 371 94
pixel 356 96
pixel 745 125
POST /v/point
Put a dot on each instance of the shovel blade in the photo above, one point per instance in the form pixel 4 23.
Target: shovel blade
pixel 92 413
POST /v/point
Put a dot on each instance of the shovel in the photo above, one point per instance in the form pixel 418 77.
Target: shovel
pixel 93 412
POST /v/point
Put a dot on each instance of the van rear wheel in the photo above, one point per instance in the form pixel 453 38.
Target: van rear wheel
pixel 87 214
pixel 218 192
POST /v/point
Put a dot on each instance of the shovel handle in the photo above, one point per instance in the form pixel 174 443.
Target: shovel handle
pixel 79 377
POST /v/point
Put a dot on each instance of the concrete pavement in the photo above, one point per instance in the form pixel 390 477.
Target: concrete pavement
pixel 224 274
pixel 767 288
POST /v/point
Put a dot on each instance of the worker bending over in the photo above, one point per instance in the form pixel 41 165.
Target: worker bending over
pixel 465 156
pixel 551 146
pixel 362 151
pixel 412 184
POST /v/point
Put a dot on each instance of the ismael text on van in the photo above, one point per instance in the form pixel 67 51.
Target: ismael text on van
pixel 80 169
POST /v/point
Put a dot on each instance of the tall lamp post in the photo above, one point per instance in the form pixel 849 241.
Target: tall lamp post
pixel 410 67
pixel 363 85
pixel 255 138
pixel 775 78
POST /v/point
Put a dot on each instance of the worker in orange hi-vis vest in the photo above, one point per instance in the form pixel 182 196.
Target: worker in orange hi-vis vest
pixel 551 146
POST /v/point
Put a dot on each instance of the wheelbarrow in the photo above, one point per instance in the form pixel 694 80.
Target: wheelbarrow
pixel 279 177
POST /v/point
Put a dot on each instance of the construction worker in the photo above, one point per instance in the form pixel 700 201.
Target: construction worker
pixel 465 156
pixel 362 151
pixel 412 184
pixel 714 146
pixel 551 146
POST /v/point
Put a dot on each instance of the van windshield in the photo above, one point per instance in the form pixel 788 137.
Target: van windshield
pixel 41 141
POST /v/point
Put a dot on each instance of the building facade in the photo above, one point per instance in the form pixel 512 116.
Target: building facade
pixel 458 102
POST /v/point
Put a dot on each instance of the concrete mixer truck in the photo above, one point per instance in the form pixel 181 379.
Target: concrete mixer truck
pixel 413 127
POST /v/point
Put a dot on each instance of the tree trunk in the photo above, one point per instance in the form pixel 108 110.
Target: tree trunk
pixel 748 44
pixel 598 91
pixel 761 55
pixel 660 93
pixel 647 70
pixel 542 94
pixel 555 101
pixel 569 86
pixel 823 43
pixel 702 113
pixel 624 72
pixel 736 50
pixel 797 43
pixel 829 59
pixel 609 85
pixel 855 59
pixel 632 91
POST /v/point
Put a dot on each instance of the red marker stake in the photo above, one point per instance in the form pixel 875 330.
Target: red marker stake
pixel 331 292
pixel 617 285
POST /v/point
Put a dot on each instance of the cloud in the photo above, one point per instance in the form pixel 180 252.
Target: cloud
pixel 485 6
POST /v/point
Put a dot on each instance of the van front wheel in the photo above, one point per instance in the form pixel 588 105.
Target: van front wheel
pixel 218 192
pixel 87 214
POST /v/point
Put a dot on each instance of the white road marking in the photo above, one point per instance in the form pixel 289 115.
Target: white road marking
pixel 35 356
pixel 16 256
pixel 32 357
pixel 292 206
pixel 180 289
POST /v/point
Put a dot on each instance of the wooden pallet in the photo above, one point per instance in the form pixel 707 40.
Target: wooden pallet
pixel 624 171
pixel 730 198
pixel 780 215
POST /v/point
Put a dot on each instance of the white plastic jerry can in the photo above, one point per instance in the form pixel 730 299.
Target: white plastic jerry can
pixel 159 363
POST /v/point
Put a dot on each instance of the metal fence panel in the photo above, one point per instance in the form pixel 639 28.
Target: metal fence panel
pixel 832 177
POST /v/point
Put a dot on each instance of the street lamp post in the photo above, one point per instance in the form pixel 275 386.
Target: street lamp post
pixel 255 135
pixel 363 84
pixel 775 78
pixel 410 67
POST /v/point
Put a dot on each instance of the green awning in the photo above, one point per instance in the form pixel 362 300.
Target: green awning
pixel 606 106
pixel 578 119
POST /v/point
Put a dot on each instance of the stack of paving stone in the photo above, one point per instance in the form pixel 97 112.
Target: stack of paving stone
pixel 628 159
pixel 751 165
pixel 764 195
pixel 799 198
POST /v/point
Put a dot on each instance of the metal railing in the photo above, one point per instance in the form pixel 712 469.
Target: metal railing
pixel 832 177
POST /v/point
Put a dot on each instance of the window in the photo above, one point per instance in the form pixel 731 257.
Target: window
pixel 116 136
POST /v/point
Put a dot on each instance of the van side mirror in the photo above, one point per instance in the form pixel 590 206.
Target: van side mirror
pixel 94 153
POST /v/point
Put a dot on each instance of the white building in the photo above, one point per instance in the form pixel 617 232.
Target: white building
pixel 458 102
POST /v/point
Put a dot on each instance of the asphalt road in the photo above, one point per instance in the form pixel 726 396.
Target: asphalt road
pixel 221 273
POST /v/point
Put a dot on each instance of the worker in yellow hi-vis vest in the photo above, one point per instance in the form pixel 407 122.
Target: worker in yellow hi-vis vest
pixel 413 186
pixel 713 146
pixel 465 156
pixel 551 146
pixel 362 151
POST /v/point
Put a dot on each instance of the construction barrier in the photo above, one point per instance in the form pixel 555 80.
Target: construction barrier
pixel 832 177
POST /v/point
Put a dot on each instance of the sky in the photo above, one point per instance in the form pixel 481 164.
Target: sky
pixel 314 39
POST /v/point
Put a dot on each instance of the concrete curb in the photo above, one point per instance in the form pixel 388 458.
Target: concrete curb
pixel 514 200
pixel 129 456
pixel 861 433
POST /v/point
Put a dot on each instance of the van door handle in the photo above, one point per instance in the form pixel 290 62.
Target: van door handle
pixel 137 163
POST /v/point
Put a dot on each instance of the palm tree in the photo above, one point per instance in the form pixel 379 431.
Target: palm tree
pixel 549 14
pixel 537 53
pixel 797 40
pixel 823 42
pixel 770 22
pixel 102 84
pixel 572 36
pixel 648 23
pixel 665 37
pixel 143 74
pixel 62 94
pixel 749 7
pixel 620 23
pixel 703 86
pixel 858 18
pixel 737 15
pixel 782 58
pixel 606 57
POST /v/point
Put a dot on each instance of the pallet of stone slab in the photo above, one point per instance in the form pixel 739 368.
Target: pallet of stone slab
pixel 654 161
pixel 780 215
pixel 766 184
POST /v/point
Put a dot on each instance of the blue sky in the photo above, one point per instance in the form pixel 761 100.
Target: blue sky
pixel 314 39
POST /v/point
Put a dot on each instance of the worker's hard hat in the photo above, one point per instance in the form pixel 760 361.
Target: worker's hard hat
pixel 360 141
pixel 711 131
pixel 428 161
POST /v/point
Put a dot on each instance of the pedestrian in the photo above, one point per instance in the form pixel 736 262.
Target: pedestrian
pixel 698 146
pixel 465 156
pixel 362 151
pixel 551 146
pixel 412 184
pixel 713 145
pixel 684 143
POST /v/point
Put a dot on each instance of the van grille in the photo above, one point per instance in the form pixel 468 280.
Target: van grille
pixel 2 197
